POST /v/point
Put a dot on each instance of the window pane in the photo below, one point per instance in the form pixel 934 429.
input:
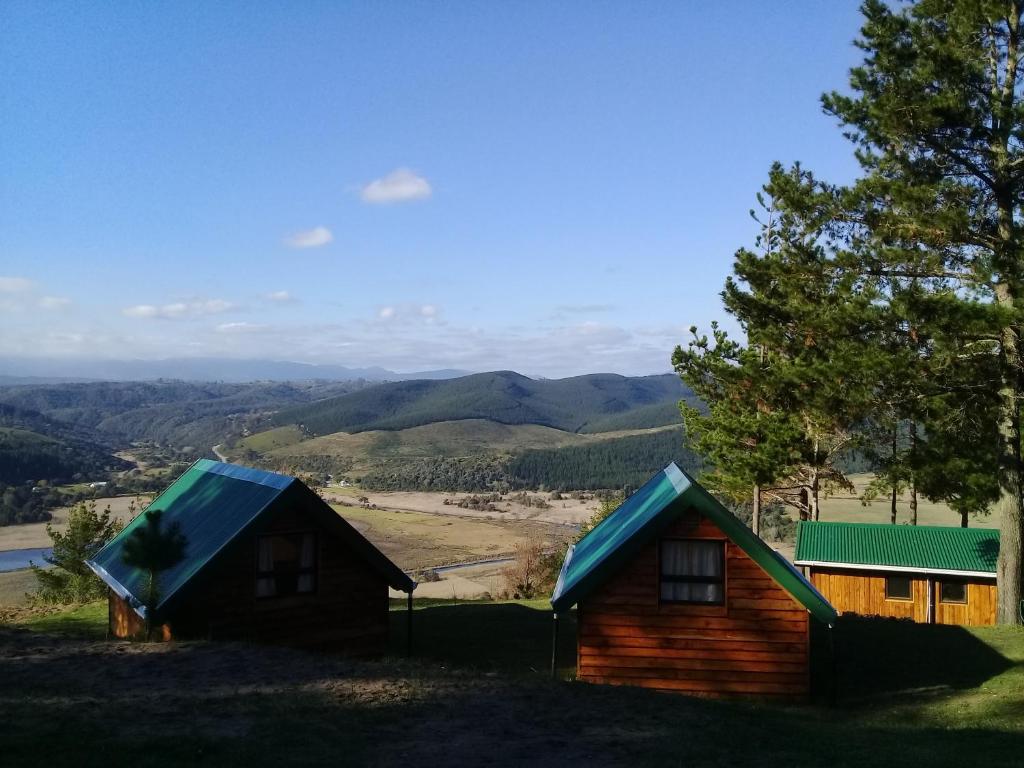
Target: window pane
pixel 286 564
pixel 692 558
pixel 898 587
pixel 953 592
pixel 693 571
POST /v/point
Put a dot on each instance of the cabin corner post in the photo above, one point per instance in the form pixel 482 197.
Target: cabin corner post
pixel 554 645
pixel 408 624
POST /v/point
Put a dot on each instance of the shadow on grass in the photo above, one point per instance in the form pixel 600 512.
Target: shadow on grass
pixel 880 657
pixel 505 637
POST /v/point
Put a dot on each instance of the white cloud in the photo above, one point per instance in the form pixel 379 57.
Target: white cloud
pixel 428 310
pixel 54 302
pixel 386 313
pixel 309 238
pixel 141 310
pixel 15 285
pixel 179 309
pixel 240 328
pixel 282 297
pixel 399 186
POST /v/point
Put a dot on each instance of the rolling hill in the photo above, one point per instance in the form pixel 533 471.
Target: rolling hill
pixel 591 403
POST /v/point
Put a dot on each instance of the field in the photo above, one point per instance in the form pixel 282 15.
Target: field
pixel 466 437
pixel 34 534
pixel 477 693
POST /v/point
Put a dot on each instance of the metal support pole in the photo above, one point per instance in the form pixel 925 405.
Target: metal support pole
pixel 554 645
pixel 408 628
pixel 834 660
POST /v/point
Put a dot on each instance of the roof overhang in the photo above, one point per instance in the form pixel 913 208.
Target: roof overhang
pixel 117 588
pixel 895 569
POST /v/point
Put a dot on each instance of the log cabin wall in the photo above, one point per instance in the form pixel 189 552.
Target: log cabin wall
pixel 863 592
pixel 124 622
pixel 756 644
pixel 348 611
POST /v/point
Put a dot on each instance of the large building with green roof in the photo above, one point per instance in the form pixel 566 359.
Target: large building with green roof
pixel 929 574
pixel 266 559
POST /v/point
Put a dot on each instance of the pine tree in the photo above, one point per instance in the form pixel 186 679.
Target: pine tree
pixel 783 408
pixel 936 115
pixel 154 549
pixel 70 580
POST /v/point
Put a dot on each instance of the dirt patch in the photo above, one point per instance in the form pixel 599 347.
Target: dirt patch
pixel 416 540
pixel 566 512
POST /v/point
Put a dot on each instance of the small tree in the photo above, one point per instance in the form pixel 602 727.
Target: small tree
pixel 154 549
pixel 71 581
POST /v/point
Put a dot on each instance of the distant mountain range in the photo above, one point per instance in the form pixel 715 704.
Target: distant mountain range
pixel 54 370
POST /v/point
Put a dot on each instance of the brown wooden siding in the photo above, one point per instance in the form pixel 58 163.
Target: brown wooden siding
pixel 348 612
pixel 863 592
pixel 755 645
pixel 125 623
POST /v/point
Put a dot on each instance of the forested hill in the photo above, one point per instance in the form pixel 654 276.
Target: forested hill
pixel 175 413
pixel 591 403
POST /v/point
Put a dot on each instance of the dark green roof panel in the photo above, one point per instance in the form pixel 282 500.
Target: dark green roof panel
pixel 212 502
pixel 662 499
pixel 921 547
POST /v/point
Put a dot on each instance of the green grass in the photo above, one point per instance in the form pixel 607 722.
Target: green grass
pixel 272 439
pixel 85 621
pixel 478 692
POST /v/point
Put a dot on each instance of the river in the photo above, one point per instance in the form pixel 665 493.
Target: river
pixel 16 559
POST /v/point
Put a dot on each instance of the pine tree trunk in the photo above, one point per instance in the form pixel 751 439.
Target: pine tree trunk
pixel 1006 263
pixel 805 503
pixel 913 480
pixel 892 506
pixel 913 504
pixel 963 518
pixel 815 510
pixel 756 511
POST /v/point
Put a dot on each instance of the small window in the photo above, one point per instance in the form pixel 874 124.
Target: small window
pixel 286 564
pixel 953 592
pixel 693 571
pixel 898 588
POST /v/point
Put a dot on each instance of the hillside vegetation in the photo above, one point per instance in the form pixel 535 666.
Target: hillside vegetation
pixel 29 456
pixel 173 413
pixel 574 404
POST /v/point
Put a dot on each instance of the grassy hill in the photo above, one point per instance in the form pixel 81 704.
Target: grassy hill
pixel 465 437
pixel 575 404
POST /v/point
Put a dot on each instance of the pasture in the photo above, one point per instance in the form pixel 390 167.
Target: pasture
pixel 477 692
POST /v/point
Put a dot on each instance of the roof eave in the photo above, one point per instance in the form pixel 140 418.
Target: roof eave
pixel 117 588
pixel 895 569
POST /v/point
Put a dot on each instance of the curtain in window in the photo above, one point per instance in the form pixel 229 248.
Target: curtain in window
pixel 265 586
pixel 693 559
pixel 307 559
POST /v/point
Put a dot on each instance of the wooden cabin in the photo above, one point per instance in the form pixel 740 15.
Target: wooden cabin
pixel 266 560
pixel 673 592
pixel 930 574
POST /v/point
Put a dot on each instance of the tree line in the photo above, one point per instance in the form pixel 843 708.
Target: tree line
pixel 885 315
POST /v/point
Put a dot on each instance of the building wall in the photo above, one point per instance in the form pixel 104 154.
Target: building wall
pixel 863 592
pixel 754 645
pixel 125 623
pixel 347 613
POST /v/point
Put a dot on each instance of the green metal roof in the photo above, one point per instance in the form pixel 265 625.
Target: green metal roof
pixel 895 547
pixel 213 502
pixel 662 499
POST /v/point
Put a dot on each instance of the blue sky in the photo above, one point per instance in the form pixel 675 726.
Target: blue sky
pixel 556 188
